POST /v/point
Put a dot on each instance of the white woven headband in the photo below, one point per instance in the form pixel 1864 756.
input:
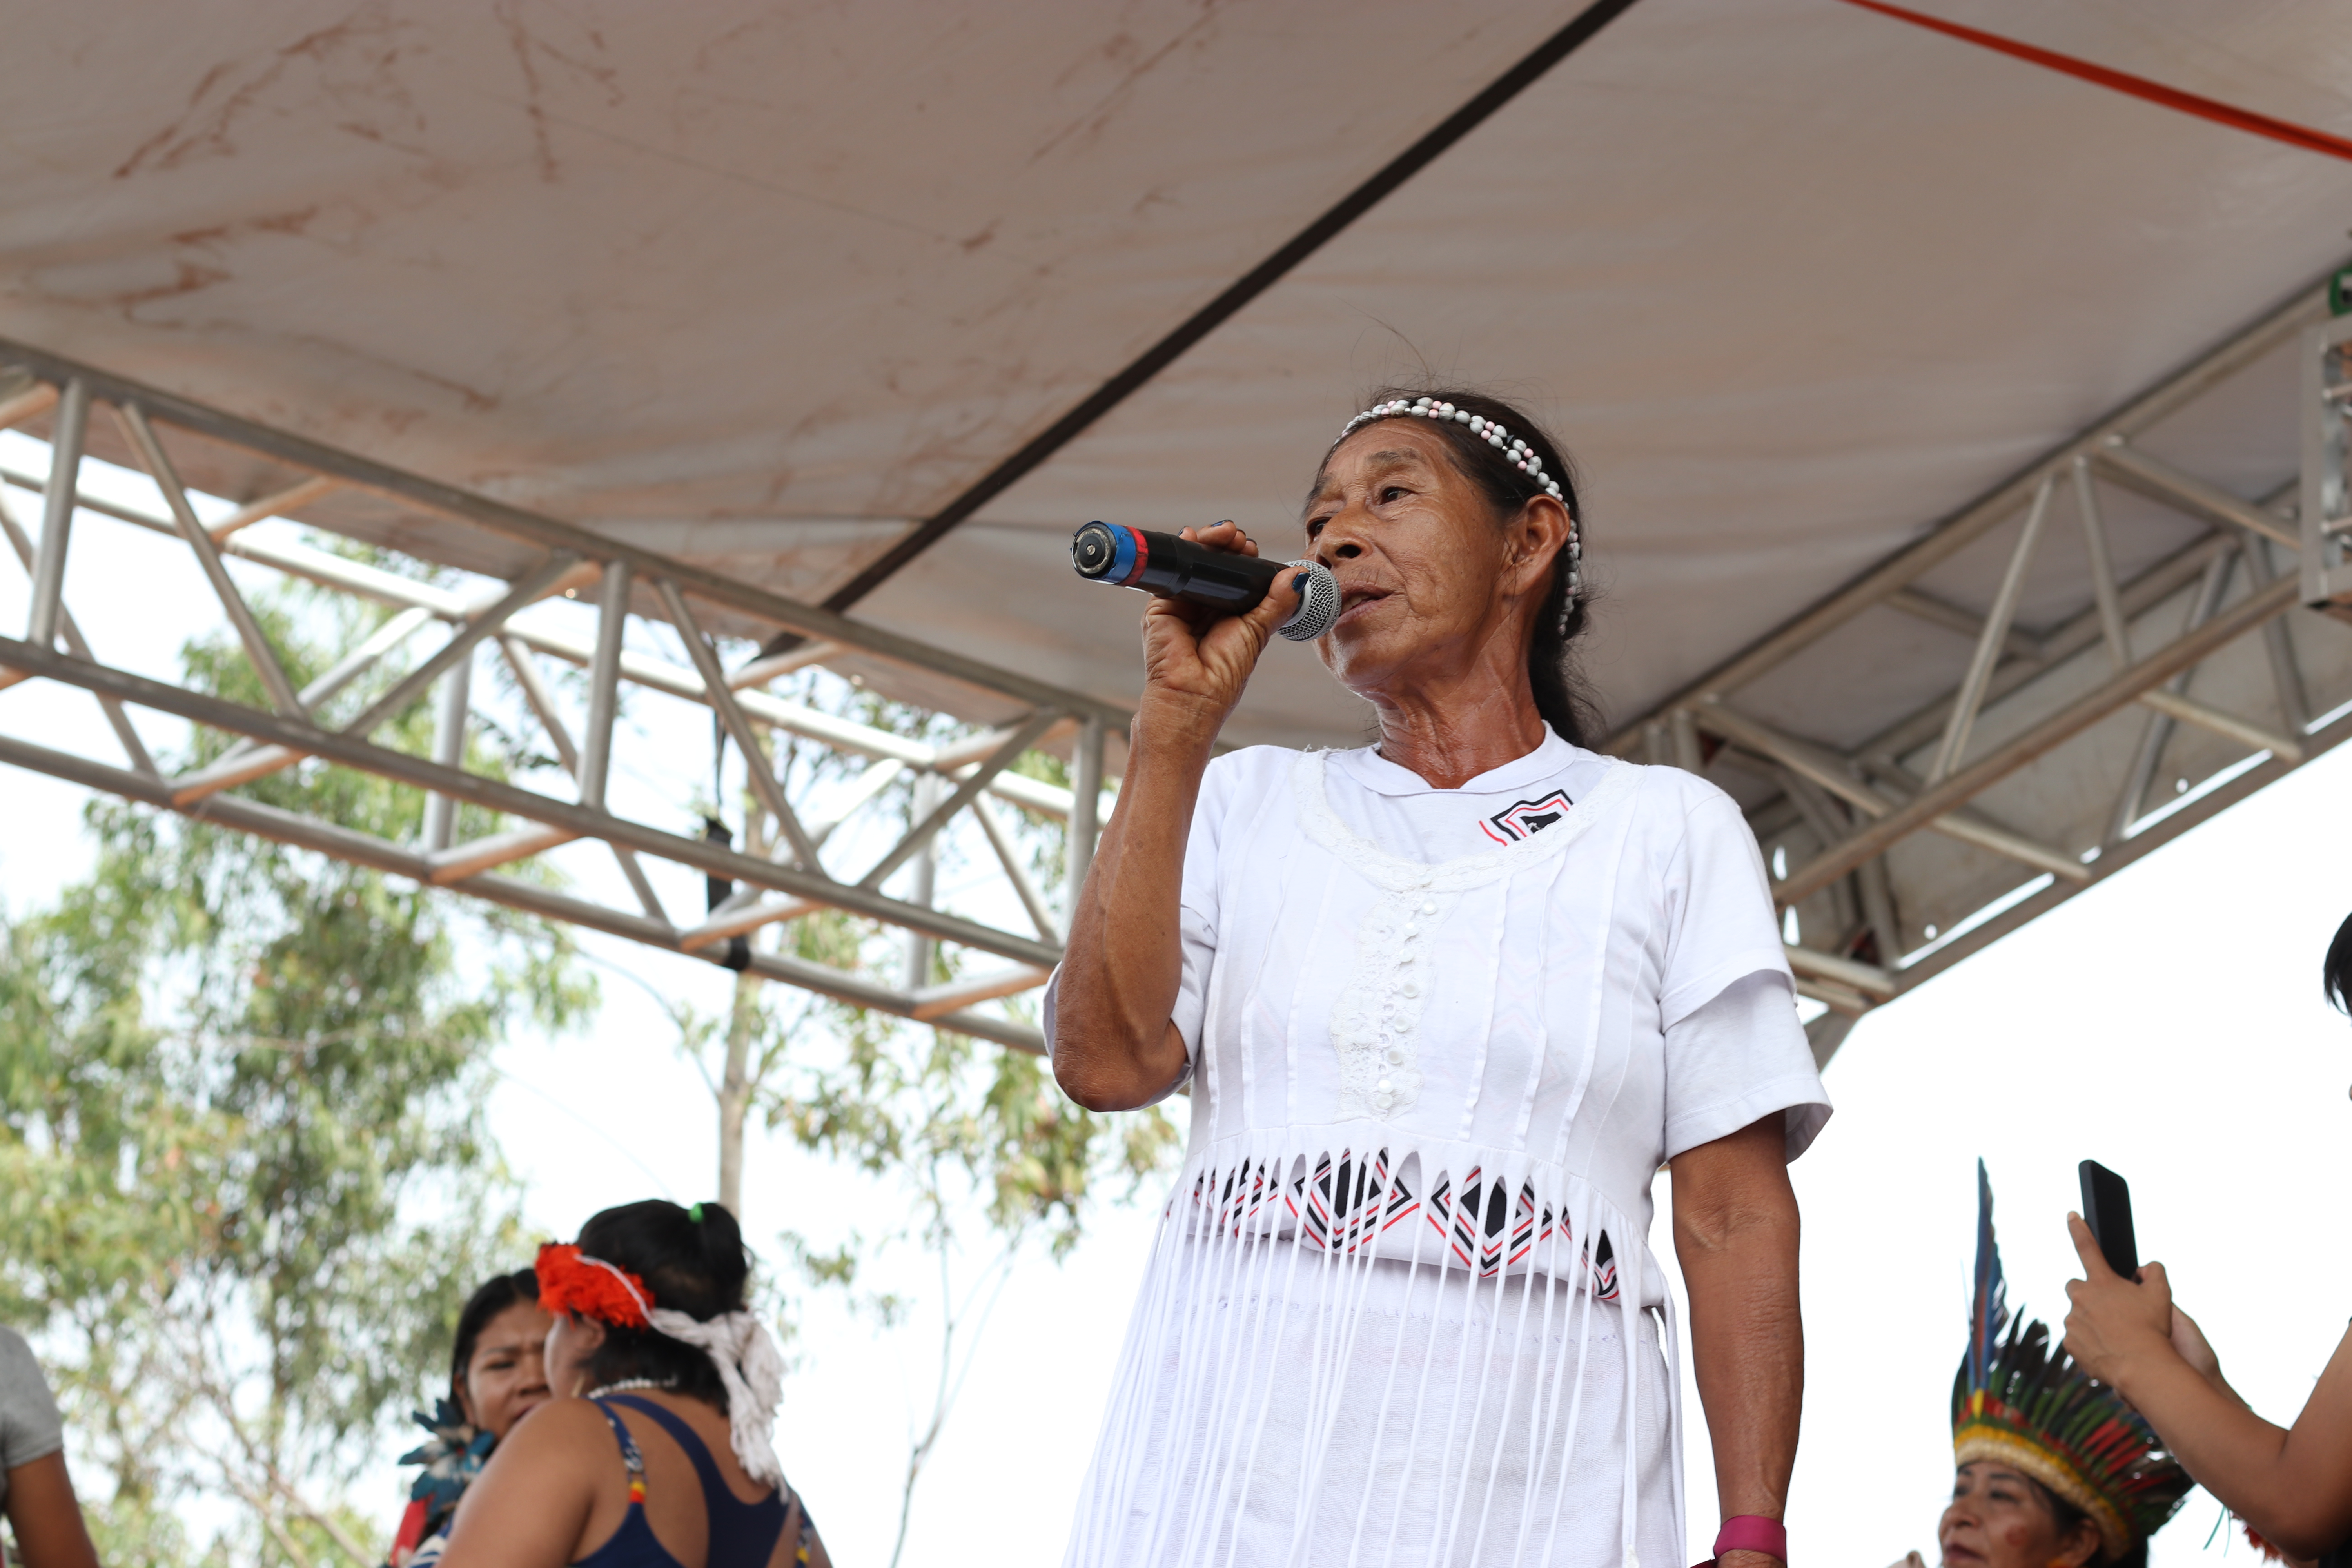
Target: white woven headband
pixel 1521 457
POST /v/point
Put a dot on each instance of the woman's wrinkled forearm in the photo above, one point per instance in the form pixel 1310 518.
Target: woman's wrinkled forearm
pixel 1114 1045
pixel 1735 1236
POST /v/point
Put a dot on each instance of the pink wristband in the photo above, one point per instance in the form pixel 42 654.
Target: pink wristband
pixel 1753 1532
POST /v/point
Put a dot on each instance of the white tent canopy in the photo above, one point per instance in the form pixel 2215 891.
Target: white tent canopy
pixel 763 289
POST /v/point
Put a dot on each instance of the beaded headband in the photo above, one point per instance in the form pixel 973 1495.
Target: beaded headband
pixel 1515 451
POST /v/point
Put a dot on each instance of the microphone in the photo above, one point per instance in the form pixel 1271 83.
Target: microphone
pixel 1177 568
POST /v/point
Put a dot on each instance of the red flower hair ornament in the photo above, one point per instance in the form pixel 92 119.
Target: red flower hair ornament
pixel 571 1281
pixel 740 1347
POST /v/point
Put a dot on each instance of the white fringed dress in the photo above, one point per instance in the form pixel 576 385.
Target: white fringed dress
pixel 1400 1307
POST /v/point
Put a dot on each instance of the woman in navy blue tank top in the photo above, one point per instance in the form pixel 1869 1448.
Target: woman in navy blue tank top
pixel 660 1458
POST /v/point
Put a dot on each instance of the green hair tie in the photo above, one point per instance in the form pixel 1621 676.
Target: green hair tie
pixel 694 1213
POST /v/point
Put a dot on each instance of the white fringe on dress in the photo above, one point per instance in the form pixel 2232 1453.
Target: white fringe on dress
pixel 1332 1363
pixel 1380 1327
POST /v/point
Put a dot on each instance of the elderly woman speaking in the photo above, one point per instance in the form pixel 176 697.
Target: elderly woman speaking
pixel 1444 1003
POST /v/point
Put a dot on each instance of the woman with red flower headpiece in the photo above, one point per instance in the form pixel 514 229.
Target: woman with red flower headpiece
pixel 655 1452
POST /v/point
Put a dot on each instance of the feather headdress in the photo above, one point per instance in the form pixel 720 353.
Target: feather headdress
pixel 1989 1296
pixel 2019 1402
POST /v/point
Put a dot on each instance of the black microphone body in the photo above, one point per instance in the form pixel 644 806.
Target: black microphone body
pixel 1219 580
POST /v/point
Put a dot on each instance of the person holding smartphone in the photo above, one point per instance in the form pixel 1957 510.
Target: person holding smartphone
pixel 2292 1486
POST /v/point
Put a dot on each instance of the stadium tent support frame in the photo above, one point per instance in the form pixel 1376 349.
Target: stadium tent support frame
pixel 2326 436
pixel 1840 810
pixel 1835 816
pixel 971 776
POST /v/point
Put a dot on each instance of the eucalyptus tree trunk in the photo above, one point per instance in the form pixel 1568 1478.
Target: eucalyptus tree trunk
pixel 735 1084
pixel 735 1091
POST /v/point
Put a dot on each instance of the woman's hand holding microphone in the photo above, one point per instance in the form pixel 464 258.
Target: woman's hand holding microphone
pixel 1115 1046
pixel 1196 660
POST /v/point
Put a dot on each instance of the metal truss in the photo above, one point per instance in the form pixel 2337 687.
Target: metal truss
pixel 2327 506
pixel 2030 775
pixel 968 777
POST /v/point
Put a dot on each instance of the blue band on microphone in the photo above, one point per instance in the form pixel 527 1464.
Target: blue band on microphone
pixel 1127 562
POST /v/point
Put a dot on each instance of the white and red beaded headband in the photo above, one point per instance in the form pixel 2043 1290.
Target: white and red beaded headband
pixel 1514 450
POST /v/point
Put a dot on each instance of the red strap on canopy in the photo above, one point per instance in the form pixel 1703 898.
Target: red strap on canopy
pixel 2138 87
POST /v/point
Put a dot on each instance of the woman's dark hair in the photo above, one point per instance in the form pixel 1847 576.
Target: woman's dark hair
pixel 495 1294
pixel 695 1265
pixel 1560 693
pixel 2336 972
pixel 2070 1518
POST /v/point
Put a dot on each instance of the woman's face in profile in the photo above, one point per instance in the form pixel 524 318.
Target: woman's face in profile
pixel 506 1377
pixel 1998 1519
pixel 571 1342
pixel 1420 562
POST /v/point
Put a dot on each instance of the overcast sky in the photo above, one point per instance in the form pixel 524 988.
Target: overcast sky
pixel 2167 1023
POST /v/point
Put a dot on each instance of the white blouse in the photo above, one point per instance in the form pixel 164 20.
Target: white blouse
pixel 1412 1016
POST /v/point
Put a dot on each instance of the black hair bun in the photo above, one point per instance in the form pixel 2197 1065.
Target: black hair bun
pixel 697 1267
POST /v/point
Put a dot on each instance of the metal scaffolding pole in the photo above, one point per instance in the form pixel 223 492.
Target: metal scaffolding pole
pixel 58 512
pixel 604 682
pixel 1086 793
pixel 449 723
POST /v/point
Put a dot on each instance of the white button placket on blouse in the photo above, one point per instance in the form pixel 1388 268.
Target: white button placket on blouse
pixel 1376 1018
pixel 1376 1022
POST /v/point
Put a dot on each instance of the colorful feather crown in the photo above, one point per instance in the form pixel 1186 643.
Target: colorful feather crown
pixel 2016 1402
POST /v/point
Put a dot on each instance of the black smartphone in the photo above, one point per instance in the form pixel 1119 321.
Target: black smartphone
pixel 2106 1209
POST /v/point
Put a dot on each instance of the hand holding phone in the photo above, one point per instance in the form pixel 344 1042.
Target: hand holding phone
pixel 2126 1321
pixel 2106 1209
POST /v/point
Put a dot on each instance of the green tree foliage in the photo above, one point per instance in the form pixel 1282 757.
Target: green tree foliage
pixel 966 1127
pixel 956 1130
pixel 246 1178
pixel 948 1116
pixel 243 1170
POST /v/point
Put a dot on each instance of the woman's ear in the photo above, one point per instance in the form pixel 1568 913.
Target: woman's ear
pixel 2080 1548
pixel 572 1341
pixel 1542 531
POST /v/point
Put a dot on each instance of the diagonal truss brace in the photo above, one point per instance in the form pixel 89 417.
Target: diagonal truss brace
pixel 351 750
pixel 1856 803
pixel 963 776
pixel 731 713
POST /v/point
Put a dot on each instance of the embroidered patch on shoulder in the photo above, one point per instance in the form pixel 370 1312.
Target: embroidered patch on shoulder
pixel 1527 817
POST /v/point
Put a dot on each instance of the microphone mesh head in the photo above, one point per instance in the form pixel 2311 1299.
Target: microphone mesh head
pixel 1317 609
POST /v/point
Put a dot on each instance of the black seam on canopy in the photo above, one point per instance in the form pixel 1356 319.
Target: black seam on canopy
pixel 1159 355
